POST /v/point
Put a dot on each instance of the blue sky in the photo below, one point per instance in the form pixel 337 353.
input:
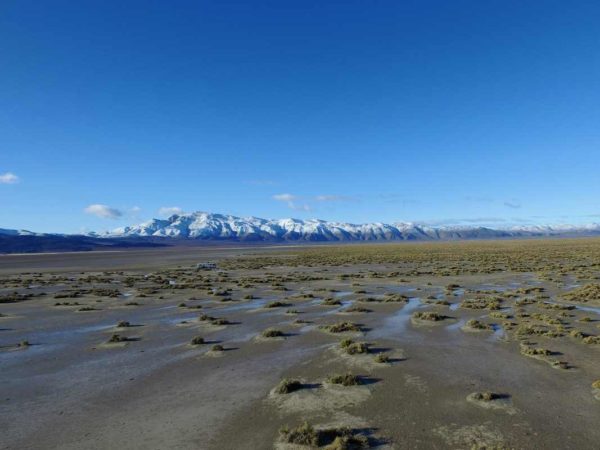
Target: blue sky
pixel 434 111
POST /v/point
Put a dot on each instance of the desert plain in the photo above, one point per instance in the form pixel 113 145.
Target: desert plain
pixel 455 345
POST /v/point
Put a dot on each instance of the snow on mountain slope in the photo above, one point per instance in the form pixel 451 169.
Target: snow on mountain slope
pixel 203 225
pixel 17 232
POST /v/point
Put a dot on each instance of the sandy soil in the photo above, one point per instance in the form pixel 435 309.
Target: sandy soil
pixel 64 385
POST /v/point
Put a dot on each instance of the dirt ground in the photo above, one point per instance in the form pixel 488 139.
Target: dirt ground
pixel 441 346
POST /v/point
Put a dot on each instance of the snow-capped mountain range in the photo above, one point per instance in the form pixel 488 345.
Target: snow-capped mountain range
pixel 202 226
pixel 207 226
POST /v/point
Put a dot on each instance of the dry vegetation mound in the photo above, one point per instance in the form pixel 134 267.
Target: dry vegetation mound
pixel 590 293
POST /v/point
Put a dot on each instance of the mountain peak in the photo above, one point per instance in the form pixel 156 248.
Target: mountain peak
pixel 210 226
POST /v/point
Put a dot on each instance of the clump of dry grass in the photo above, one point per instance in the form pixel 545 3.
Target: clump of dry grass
pixel 330 301
pixel 395 298
pixel 344 343
pixel 276 304
pixel 341 327
pixel 354 348
pixel 219 321
pixel 485 396
pixel 370 300
pixel 349 442
pixel 287 385
pixel 301 322
pixel 556 306
pixel 16 297
pixel 546 319
pixel 543 354
pixel 116 338
pixel 559 364
pixel 123 324
pixel 429 316
pixel 537 330
pixel 590 293
pixel 382 358
pixel 535 351
pixel 591 340
pixel 330 439
pixel 197 340
pixel 305 434
pixel 357 309
pixel 272 333
pixel 499 315
pixel 477 325
pixel 493 303
pixel 347 379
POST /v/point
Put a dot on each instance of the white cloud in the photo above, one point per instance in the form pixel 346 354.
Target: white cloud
pixel 334 198
pixel 168 211
pixel 103 211
pixel 327 198
pixel 135 210
pixel 291 202
pixel 285 197
pixel 302 207
pixel 9 178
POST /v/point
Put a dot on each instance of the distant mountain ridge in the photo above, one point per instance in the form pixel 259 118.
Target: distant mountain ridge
pixel 7 232
pixel 208 226
pixel 202 227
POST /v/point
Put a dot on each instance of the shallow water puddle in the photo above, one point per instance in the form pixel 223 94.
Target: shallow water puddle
pixel 589 309
pixel 395 325
pixel 252 304
pixel 180 319
pixel 345 303
pixel 456 326
pixel 498 333
pixel 401 289
pixel 497 287
pixel 162 308
pixel 343 294
pixel 16 355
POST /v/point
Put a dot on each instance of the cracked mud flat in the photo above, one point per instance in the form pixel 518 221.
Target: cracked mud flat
pixel 64 385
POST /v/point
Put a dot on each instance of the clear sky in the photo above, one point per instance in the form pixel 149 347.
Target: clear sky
pixel 435 111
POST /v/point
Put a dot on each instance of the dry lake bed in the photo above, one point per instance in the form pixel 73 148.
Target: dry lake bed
pixel 465 345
